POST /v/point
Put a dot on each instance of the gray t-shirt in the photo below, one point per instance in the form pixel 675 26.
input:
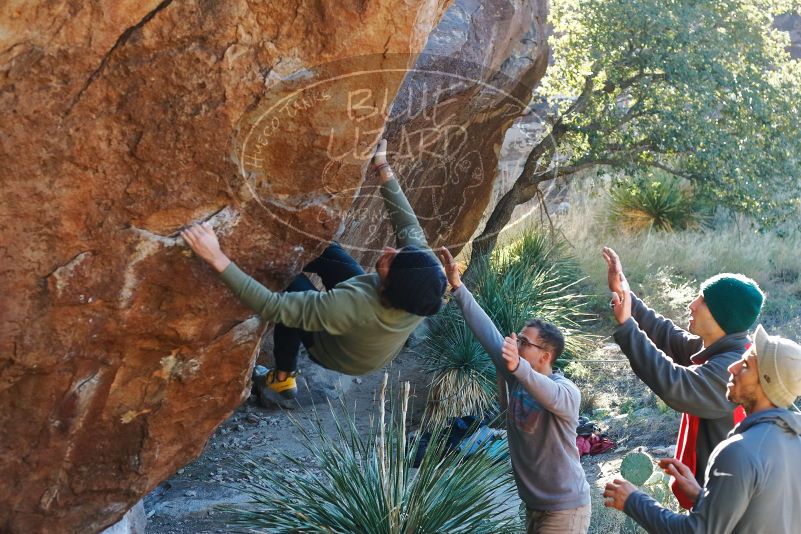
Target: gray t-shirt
pixel 541 423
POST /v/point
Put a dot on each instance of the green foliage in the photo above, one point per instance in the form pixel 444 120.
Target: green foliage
pixel 637 468
pixel 539 251
pixel 653 202
pixel 659 488
pixel 662 406
pixel 463 376
pixel 532 277
pixel 703 90
pixel 364 482
pixel 628 406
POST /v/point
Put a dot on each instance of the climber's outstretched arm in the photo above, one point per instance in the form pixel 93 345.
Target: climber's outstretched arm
pixel 404 222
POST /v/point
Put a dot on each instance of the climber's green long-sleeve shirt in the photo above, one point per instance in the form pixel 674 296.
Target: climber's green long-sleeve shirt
pixel 353 332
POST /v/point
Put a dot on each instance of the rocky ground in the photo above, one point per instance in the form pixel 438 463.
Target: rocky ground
pixel 188 502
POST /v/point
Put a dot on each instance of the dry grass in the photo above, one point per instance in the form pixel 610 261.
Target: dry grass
pixel 667 268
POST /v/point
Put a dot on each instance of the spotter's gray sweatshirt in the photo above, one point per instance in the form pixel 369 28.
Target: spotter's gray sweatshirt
pixel 752 484
pixel 541 423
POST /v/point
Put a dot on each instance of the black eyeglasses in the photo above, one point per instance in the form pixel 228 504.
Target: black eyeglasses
pixel 522 342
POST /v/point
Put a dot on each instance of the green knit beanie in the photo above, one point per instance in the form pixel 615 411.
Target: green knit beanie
pixel 734 300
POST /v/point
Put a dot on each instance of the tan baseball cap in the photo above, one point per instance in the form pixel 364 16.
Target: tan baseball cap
pixel 779 367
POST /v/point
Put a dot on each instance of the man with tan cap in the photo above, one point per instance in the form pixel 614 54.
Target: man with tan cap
pixel 687 369
pixel 752 483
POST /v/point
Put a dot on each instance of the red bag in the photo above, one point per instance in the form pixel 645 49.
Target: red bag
pixel 583 445
pixel 594 444
pixel 600 444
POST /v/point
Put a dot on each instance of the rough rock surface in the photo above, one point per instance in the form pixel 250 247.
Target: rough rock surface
pixel 119 353
pixel 448 122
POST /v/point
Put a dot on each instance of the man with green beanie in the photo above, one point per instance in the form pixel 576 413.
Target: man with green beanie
pixel 751 482
pixel 688 369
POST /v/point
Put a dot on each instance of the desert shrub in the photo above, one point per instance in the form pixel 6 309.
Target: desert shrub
pixel 534 276
pixel 654 202
pixel 365 482
pixel 463 377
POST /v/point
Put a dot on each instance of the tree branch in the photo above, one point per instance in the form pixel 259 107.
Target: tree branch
pixel 548 143
pixel 670 170
pixel 630 115
pixel 625 84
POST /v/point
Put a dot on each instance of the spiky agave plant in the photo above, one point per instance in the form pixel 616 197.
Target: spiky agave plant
pixel 656 202
pixel 463 377
pixel 539 250
pixel 366 484
pixel 520 285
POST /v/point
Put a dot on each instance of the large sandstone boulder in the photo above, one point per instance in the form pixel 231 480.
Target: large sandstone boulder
pixel 122 121
pixel 119 353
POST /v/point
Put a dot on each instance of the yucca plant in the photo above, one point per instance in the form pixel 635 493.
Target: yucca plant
pixel 539 251
pixel 655 202
pixel 366 484
pixel 510 301
pixel 533 277
pixel 463 380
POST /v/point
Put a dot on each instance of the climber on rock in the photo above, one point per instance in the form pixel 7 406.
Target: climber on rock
pixel 361 322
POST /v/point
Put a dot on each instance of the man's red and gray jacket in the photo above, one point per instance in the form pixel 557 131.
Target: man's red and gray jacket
pixel 689 378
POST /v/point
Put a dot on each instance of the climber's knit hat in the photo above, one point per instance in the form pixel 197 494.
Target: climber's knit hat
pixel 416 281
pixel 734 301
pixel 779 363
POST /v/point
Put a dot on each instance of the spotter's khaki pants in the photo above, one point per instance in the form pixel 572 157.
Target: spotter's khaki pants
pixel 573 521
